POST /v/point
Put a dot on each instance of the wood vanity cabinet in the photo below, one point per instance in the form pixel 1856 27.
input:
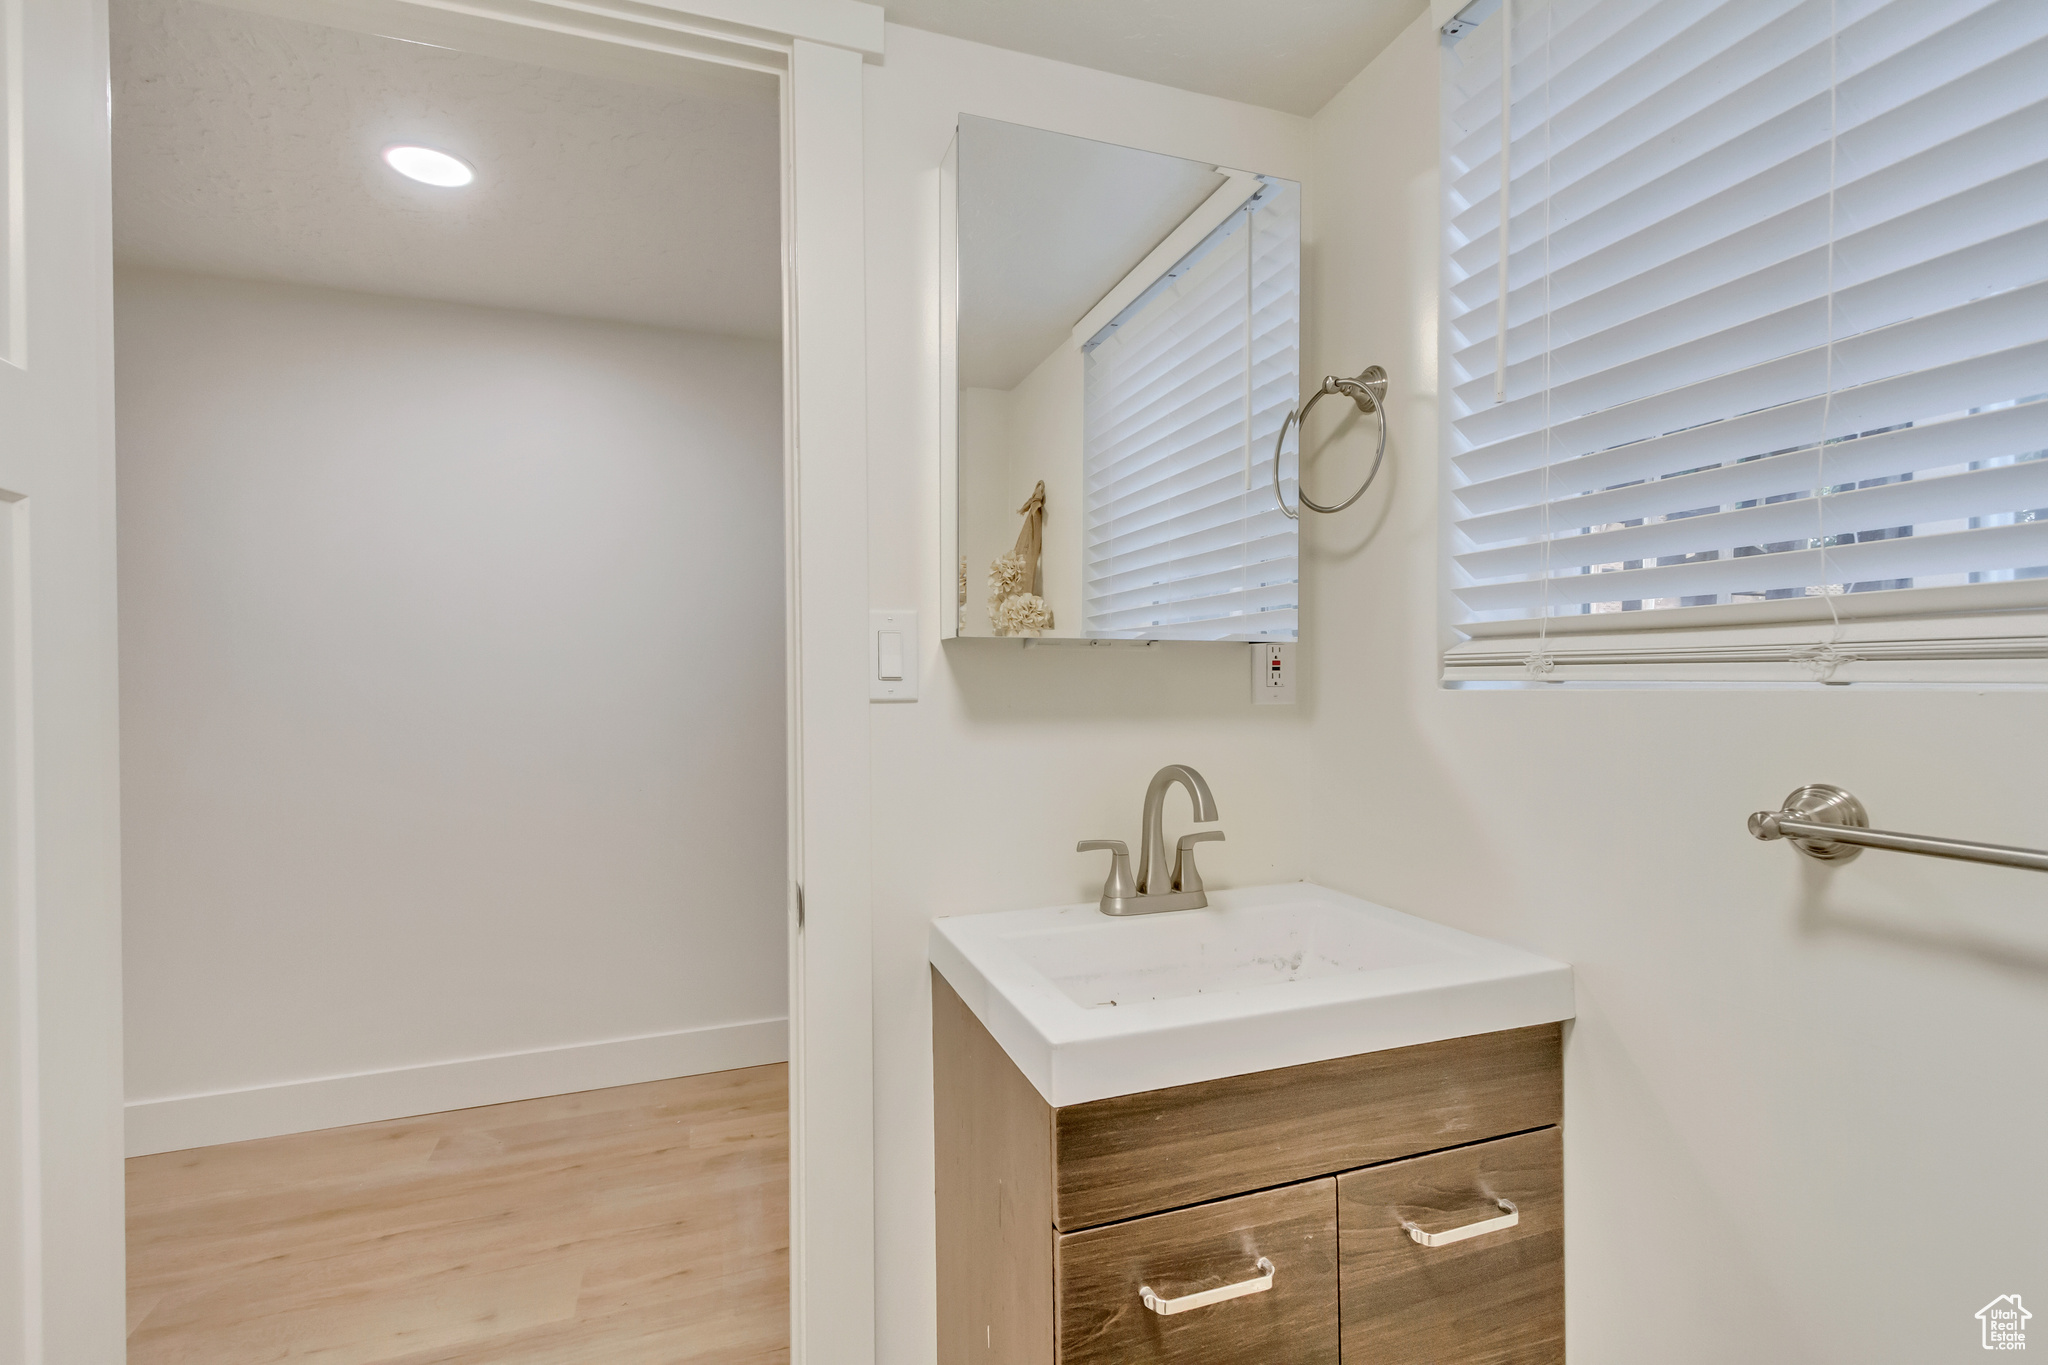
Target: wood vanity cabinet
pixel 1053 1222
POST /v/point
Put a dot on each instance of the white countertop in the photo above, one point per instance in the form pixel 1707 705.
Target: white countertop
pixel 1090 1006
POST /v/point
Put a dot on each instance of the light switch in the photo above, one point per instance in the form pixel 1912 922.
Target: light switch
pixel 892 656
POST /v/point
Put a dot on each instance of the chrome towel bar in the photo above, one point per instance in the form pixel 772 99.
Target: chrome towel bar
pixel 1825 822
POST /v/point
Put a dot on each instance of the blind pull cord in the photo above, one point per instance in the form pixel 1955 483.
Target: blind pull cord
pixel 1823 658
pixel 1500 319
pixel 1540 664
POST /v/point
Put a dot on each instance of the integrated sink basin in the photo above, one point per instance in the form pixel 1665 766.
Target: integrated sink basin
pixel 1090 1006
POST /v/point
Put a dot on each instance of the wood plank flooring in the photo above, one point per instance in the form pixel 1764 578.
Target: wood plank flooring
pixel 646 1225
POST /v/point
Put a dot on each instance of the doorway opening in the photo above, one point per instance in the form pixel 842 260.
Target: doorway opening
pixel 453 702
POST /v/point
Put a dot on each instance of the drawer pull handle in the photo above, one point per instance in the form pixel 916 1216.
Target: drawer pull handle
pixel 1479 1229
pixel 1168 1307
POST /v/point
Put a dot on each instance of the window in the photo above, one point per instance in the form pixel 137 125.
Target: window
pixel 1772 395
pixel 1183 393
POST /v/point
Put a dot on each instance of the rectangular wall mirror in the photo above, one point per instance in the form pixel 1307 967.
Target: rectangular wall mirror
pixel 1123 346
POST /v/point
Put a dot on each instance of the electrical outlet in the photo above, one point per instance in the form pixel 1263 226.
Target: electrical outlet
pixel 1273 675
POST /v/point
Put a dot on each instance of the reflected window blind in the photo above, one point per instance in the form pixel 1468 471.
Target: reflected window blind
pixel 1777 311
pixel 1182 396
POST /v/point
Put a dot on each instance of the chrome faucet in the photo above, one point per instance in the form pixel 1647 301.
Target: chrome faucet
pixel 1152 890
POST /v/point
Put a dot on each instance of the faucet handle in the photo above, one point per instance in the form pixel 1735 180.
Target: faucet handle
pixel 1185 877
pixel 1121 885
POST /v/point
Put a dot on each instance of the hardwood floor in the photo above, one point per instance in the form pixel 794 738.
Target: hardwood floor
pixel 646 1225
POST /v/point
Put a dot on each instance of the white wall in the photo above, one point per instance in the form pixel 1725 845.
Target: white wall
pixel 452 704
pixel 988 526
pixel 1014 752
pixel 1805 1108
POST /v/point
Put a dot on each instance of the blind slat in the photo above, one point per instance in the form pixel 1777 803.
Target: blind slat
pixel 1277 624
pixel 1986 549
pixel 2016 318
pixel 1908 450
pixel 1976 382
pixel 1212 607
pixel 1232 581
pixel 1967 217
pixel 1249 557
pixel 1719 332
pixel 2011 488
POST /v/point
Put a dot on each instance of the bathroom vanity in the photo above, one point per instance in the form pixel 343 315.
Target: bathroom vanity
pixel 1291 1127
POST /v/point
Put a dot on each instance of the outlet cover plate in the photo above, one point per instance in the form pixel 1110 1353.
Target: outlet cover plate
pixel 1272 674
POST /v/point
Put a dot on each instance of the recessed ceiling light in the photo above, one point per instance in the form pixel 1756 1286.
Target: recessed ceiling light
pixel 429 167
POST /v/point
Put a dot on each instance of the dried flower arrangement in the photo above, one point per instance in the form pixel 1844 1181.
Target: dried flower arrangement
pixel 1023 613
pixel 1006 576
pixel 1013 608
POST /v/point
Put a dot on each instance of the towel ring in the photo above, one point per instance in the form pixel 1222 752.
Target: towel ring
pixel 1369 391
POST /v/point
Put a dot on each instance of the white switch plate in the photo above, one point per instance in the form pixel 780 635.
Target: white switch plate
pixel 894 655
pixel 1273 675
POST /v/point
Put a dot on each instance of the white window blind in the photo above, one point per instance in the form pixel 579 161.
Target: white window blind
pixel 1776 339
pixel 1182 396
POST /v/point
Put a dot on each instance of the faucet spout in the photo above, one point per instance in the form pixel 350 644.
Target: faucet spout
pixel 1153 872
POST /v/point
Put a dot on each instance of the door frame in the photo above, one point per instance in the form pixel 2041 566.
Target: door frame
pixel 817 50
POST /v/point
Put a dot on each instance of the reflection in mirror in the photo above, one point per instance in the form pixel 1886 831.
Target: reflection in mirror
pixel 1126 339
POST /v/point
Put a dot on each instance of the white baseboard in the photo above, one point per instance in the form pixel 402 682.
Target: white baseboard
pixel 171 1125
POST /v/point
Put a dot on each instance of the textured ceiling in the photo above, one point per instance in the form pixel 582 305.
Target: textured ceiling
pixel 1283 54
pixel 1048 225
pixel 247 144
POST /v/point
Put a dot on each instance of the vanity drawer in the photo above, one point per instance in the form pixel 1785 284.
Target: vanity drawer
pixel 1163 1149
pixel 1495 1298
pixel 1099 1275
